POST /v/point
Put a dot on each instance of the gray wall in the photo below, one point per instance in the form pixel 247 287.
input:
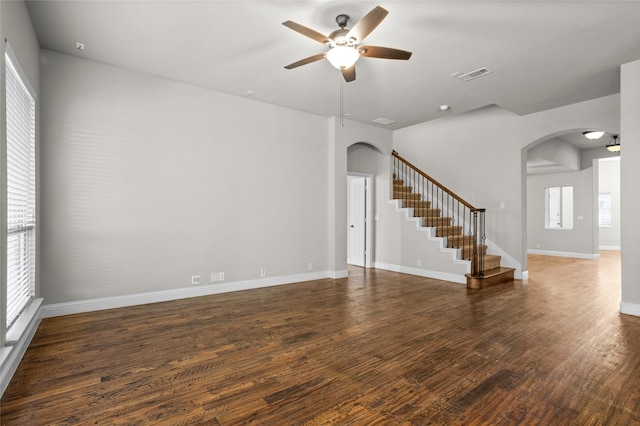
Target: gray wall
pixel 629 179
pixel 147 182
pixel 577 242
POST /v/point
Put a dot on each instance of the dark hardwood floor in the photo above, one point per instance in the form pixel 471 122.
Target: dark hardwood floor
pixel 376 348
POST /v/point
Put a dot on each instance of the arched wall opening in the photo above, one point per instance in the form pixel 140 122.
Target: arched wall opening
pixel 367 167
pixel 581 175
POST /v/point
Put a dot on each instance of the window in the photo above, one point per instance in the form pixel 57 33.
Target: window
pixel 21 189
pixel 559 207
pixel 604 210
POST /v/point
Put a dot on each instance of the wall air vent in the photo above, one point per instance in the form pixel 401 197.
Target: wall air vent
pixel 383 121
pixel 480 72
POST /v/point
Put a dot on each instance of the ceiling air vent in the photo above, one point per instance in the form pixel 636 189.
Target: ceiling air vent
pixel 383 121
pixel 472 74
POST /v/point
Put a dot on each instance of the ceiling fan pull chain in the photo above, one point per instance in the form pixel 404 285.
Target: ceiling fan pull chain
pixel 341 100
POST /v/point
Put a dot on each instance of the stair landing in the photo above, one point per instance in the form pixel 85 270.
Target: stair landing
pixel 491 277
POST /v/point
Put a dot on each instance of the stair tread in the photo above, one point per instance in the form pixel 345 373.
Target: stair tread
pixel 497 271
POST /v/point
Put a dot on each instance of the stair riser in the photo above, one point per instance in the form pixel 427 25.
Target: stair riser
pixel 402 190
pixel 405 196
pixel 459 240
pixel 467 251
pixel 426 212
pixel 417 204
pixel 446 231
pixel 436 221
pixel 492 264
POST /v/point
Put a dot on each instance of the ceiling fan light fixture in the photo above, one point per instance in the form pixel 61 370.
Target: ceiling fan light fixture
pixel 614 144
pixel 343 57
pixel 593 135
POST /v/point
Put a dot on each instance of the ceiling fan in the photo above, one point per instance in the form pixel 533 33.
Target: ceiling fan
pixel 344 44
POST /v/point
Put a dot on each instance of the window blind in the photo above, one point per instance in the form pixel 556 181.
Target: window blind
pixel 21 190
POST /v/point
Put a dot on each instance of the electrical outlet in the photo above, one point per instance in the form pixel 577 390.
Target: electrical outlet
pixel 195 279
pixel 263 273
pixel 217 276
pixel 310 266
pixel 419 262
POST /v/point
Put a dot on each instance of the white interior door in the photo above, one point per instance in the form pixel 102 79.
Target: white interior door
pixel 356 215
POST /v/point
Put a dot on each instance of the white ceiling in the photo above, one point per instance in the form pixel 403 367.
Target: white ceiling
pixel 543 54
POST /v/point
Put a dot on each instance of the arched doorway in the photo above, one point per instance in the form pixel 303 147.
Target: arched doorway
pixel 365 162
pixel 565 159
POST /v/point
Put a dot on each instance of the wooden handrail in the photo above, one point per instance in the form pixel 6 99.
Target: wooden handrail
pixel 444 188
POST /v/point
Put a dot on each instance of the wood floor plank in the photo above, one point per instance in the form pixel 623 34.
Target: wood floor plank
pixel 376 348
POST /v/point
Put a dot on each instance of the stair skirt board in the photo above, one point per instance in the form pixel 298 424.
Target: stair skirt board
pixel 431 233
pixel 443 276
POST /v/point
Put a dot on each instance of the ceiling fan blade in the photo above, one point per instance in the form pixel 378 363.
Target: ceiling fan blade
pixel 349 74
pixel 306 61
pixel 306 31
pixel 384 52
pixel 368 23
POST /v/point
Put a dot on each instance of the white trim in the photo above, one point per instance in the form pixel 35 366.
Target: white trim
pixel 630 309
pixel 444 276
pixel 564 254
pixel 16 65
pixel 610 248
pixel 89 305
pixel 338 274
pixel 11 357
pixel 23 322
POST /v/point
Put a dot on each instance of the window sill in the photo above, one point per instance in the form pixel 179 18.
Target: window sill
pixel 4 353
pixel 22 323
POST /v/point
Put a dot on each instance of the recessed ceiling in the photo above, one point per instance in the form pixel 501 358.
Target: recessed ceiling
pixel 542 54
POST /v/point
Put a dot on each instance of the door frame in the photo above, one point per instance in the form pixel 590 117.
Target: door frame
pixel 368 222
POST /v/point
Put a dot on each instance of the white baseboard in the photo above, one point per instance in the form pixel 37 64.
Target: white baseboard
pixel 445 276
pixel 338 274
pixel 564 254
pixel 82 306
pixel 12 355
pixel 630 309
pixel 616 248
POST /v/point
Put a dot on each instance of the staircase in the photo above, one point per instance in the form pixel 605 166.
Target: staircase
pixel 459 225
